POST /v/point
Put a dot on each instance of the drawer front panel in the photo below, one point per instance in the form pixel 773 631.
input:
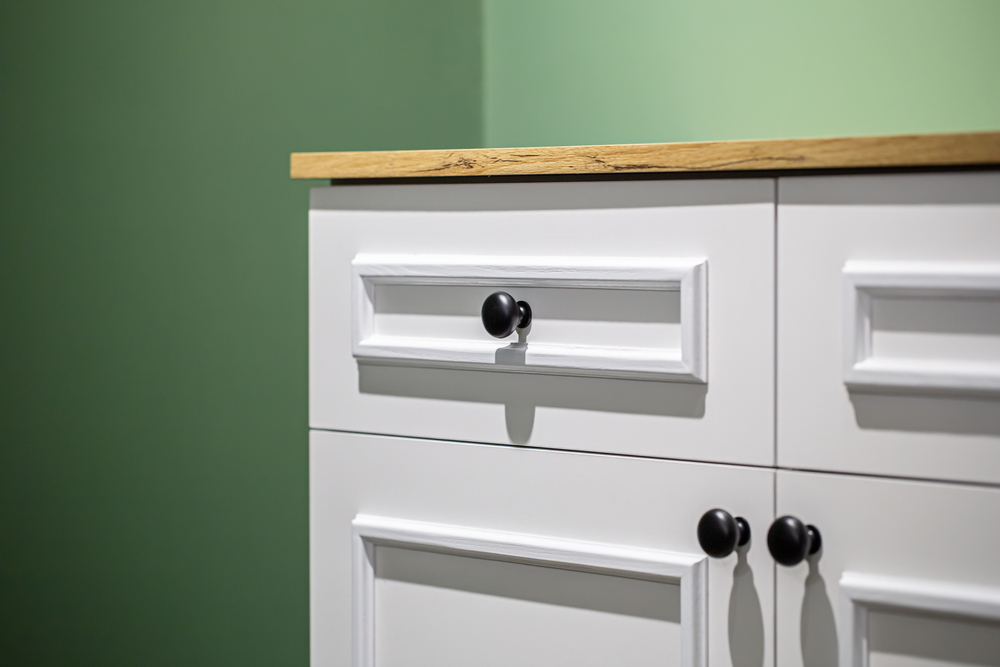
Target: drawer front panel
pixel 907 573
pixel 651 315
pixel 428 552
pixel 889 325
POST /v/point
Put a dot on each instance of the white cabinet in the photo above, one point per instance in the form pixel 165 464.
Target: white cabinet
pixel 477 554
pixel 820 347
pixel 889 325
pixel 652 327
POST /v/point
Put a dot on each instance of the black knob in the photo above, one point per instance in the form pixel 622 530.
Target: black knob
pixel 790 541
pixel 719 533
pixel 501 314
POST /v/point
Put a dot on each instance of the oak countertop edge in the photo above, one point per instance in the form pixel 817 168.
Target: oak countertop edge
pixel 867 152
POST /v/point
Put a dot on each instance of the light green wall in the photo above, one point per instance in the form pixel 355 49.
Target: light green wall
pixel 595 72
pixel 153 444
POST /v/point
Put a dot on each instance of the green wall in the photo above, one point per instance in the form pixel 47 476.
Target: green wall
pixel 153 460
pixel 593 72
pixel 153 444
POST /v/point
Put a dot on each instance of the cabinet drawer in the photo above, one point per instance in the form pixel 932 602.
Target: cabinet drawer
pixel 430 552
pixel 889 325
pixel 652 315
pixel 907 573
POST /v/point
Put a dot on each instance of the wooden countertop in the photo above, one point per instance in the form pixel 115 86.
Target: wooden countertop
pixel 896 151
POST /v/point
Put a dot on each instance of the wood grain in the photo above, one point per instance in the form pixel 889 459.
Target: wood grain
pixel 917 150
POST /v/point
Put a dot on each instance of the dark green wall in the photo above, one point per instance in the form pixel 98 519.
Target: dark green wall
pixel 153 450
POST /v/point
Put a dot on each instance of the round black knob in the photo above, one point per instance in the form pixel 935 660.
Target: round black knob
pixel 501 314
pixel 790 541
pixel 719 533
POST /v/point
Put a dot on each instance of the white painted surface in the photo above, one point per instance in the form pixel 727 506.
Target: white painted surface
pixel 728 223
pixel 950 221
pixel 966 329
pixel 900 639
pixel 537 616
pixel 958 364
pixel 549 556
pixel 569 316
pixel 921 555
pixel 567 503
pixel 919 558
pixel 875 610
pixel 605 278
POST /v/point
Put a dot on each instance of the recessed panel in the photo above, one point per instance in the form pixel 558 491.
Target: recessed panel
pixel 647 319
pixel 908 639
pixel 956 329
pixel 922 327
pixel 453 611
pixel 594 319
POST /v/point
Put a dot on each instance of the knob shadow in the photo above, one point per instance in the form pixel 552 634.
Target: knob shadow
pixel 519 413
pixel 817 627
pixel 746 620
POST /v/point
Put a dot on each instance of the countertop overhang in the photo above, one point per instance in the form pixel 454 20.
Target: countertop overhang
pixel 841 153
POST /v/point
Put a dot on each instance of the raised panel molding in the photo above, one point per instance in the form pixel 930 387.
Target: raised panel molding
pixel 862 592
pixel 687 570
pixel 688 276
pixel 866 281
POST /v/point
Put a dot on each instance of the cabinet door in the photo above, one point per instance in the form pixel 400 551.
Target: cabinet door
pixel 652 315
pixel 889 325
pixel 907 574
pixel 442 553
